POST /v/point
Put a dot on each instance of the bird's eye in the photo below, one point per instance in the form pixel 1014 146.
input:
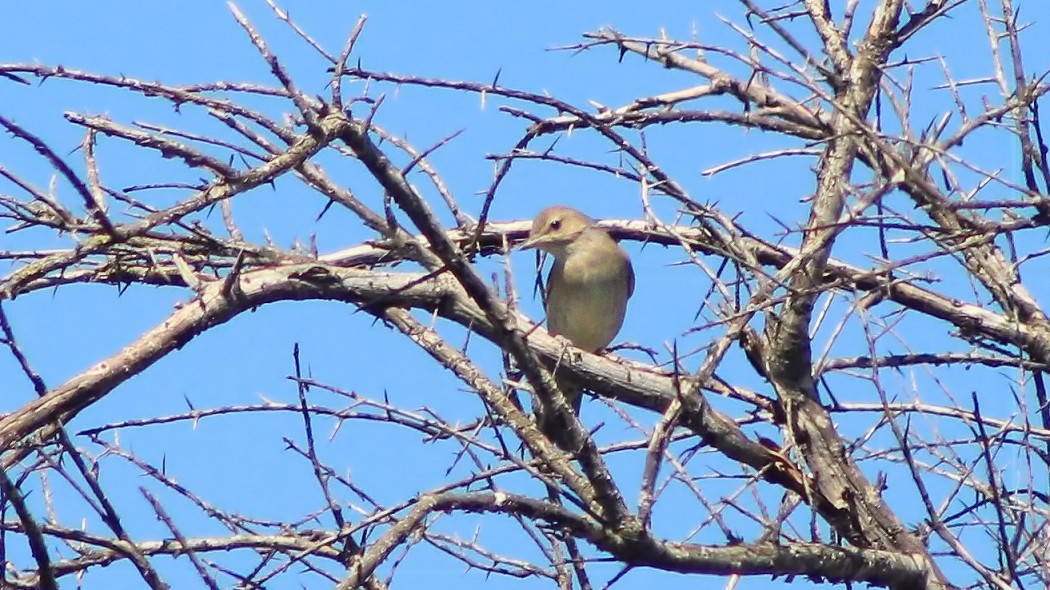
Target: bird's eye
pixel 555 224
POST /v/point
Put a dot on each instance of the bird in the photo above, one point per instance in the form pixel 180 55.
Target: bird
pixel 588 286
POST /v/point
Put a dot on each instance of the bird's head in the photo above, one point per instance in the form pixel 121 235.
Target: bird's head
pixel 555 228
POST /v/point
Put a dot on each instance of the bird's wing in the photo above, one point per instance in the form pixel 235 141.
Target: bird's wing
pixel 630 276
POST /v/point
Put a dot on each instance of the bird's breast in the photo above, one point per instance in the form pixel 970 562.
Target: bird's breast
pixel 587 298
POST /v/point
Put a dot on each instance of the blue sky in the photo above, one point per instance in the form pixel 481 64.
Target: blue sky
pixel 239 462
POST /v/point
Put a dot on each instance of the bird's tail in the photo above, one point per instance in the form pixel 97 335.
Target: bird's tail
pixel 554 424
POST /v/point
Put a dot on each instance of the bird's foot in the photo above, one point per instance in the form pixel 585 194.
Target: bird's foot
pixel 568 350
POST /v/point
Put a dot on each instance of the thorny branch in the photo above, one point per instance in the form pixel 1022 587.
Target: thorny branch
pixel 811 440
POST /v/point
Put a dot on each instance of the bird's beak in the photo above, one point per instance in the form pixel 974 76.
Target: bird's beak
pixel 531 242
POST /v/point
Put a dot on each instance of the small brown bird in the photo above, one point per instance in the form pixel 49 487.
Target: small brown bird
pixel 588 288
